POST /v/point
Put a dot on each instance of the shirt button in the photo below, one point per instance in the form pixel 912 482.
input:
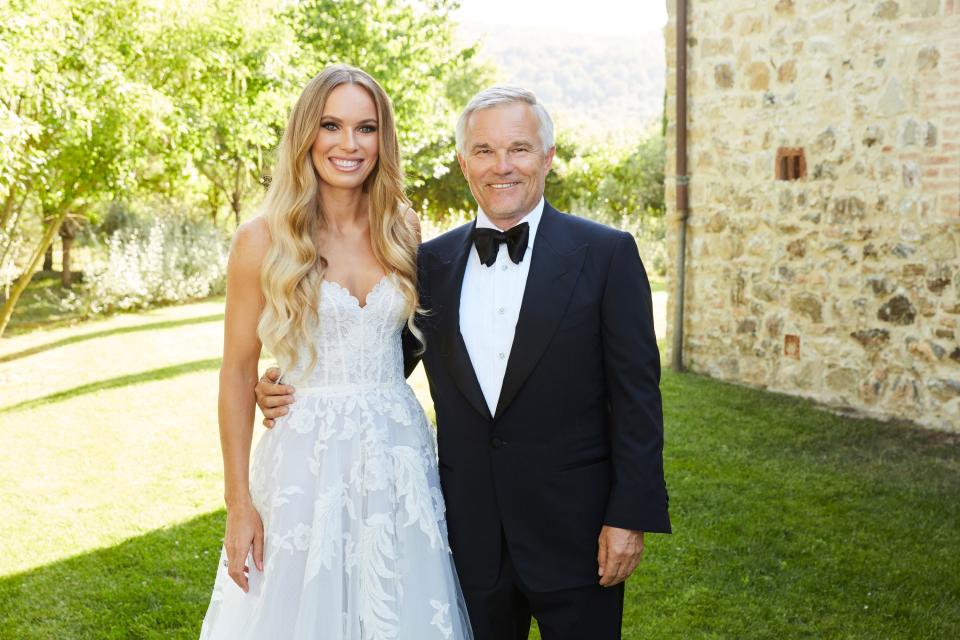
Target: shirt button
pixel 501 310
pixel 503 268
pixel 502 356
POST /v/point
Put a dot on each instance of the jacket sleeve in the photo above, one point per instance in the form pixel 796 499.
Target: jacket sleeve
pixel 412 347
pixel 638 497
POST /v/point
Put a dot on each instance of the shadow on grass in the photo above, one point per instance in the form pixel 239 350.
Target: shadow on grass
pixel 162 373
pixel 154 326
pixel 789 522
pixel 154 586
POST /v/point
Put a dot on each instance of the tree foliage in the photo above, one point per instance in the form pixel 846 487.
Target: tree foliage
pixel 178 107
pixel 103 100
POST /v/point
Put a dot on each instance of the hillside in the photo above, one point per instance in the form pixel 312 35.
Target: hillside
pixel 595 87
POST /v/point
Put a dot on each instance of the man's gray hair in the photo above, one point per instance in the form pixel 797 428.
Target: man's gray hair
pixel 506 94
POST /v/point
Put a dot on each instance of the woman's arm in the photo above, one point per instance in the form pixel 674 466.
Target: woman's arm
pixel 238 377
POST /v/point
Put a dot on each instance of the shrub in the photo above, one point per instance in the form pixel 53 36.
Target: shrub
pixel 169 259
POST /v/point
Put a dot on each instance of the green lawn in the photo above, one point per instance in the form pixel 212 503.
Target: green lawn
pixel 790 522
pixel 39 306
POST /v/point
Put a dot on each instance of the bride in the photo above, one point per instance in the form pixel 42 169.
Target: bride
pixel 337 531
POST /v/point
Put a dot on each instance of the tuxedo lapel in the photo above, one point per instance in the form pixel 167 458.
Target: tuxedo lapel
pixel 446 281
pixel 554 269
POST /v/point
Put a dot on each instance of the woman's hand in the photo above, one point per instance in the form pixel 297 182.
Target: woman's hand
pixel 244 530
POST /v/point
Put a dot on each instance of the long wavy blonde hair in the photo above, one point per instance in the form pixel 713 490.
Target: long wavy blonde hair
pixel 293 268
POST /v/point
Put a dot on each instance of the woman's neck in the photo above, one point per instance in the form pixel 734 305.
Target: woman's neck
pixel 343 208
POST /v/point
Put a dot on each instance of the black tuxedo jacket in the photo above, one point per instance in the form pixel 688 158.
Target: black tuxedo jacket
pixel 576 441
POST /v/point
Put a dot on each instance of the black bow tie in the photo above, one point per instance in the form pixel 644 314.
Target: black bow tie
pixel 487 241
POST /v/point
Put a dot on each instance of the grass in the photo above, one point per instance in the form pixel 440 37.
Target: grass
pixel 791 522
pixel 39 306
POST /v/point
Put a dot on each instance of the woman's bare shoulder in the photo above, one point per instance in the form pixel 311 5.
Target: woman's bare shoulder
pixel 251 241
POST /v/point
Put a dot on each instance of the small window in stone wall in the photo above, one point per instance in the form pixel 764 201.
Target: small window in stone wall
pixel 791 165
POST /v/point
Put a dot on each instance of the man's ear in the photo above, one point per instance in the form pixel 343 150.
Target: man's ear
pixel 551 152
pixel 463 164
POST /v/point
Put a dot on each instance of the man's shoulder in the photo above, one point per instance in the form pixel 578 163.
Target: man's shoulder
pixel 589 231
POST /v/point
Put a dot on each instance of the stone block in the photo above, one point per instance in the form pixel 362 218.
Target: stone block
pixel 909 135
pixel 808 305
pixel 787 72
pixel 797 248
pixel 891 102
pixel 911 174
pixel 886 10
pixel 826 141
pixel 723 76
pixel 872 136
pixel 747 326
pixel 752 24
pixel 939 279
pixel 944 389
pixel 774 325
pixel 842 379
pixel 924 8
pixel 784 7
pixel 872 338
pixel 880 286
pixel 758 76
pixel 928 58
pixel 717 47
pixel 898 310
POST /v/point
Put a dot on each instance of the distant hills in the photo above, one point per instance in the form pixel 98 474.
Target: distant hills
pixel 596 87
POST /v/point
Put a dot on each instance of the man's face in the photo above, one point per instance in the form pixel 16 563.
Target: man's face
pixel 504 162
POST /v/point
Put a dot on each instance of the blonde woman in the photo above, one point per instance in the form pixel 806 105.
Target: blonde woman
pixel 337 531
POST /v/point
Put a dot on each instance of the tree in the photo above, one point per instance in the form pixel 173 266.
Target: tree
pixel 81 118
pixel 227 68
pixel 409 48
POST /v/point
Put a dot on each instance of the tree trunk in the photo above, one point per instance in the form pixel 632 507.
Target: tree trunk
pixel 49 234
pixel 213 201
pixel 235 205
pixel 7 209
pixel 48 258
pixel 68 233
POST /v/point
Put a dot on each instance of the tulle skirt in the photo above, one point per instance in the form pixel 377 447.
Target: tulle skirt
pixel 355 536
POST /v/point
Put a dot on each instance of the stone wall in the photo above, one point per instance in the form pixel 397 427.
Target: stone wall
pixel 843 286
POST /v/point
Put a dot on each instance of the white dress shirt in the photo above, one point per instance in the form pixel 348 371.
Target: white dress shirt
pixel 490 306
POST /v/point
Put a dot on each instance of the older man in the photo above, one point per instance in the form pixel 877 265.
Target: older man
pixel 544 372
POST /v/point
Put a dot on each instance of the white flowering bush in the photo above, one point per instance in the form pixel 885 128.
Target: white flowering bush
pixel 169 260
pixel 11 246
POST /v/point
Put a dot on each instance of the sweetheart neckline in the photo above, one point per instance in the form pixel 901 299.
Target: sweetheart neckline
pixel 356 300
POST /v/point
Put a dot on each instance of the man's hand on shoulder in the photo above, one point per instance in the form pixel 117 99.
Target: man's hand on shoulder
pixel 273 398
pixel 620 553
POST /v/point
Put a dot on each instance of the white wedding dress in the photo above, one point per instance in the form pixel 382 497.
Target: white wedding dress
pixel 348 490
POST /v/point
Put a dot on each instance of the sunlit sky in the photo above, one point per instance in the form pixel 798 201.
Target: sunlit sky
pixel 605 17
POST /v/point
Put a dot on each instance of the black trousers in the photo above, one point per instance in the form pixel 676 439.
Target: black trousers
pixel 503 612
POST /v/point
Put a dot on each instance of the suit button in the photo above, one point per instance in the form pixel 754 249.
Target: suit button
pixel 496 443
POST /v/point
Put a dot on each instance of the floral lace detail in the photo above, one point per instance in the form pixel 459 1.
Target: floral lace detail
pixel 348 490
pixel 356 344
